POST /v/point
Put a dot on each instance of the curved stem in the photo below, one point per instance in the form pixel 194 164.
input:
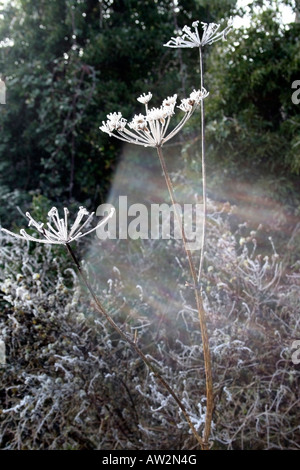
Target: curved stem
pixel 204 197
pixel 200 309
pixel 133 345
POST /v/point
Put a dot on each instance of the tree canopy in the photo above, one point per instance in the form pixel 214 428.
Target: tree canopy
pixel 252 114
pixel 68 63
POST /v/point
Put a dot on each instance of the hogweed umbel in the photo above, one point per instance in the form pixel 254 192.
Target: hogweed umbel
pixel 56 231
pixel 191 38
pixel 150 129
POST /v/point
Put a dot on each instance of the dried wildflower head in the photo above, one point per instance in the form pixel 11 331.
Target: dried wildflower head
pixel 56 231
pixel 191 38
pixel 145 98
pixel 150 129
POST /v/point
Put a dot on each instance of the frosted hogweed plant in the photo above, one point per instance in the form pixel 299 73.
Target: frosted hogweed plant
pixel 193 39
pixel 57 232
pixel 150 130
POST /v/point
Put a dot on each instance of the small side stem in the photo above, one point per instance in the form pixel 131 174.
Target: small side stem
pixel 133 345
pixel 204 197
pixel 200 309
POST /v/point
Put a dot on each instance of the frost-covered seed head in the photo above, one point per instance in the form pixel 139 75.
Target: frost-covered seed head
pixel 145 98
pixel 139 122
pixel 150 129
pixel 170 101
pixel 57 231
pixel 191 38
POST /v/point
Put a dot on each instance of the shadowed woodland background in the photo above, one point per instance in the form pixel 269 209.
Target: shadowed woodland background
pixel 74 62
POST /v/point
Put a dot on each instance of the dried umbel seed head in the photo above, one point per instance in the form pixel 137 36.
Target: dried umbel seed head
pixel 150 129
pixel 191 38
pixel 139 123
pixel 145 98
pixel 56 231
pixel 194 99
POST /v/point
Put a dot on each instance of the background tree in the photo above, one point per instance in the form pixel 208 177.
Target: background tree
pixel 253 123
pixel 68 64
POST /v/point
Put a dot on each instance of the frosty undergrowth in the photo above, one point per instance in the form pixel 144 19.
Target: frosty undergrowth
pixel 70 383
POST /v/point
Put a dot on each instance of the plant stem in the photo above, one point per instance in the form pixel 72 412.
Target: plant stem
pixel 133 345
pixel 204 197
pixel 200 309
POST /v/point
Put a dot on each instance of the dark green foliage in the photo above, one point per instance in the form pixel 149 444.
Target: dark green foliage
pixel 253 120
pixel 71 64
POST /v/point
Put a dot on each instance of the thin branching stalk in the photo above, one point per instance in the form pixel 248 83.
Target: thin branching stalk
pixel 200 309
pixel 134 346
pixel 204 196
pixel 190 39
